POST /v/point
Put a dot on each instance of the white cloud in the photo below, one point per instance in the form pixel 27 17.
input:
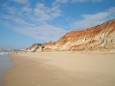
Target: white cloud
pixel 76 1
pixel 56 11
pixel 43 32
pixel 21 1
pixel 61 1
pixel 26 19
pixel 90 20
pixel 39 13
pixel 43 13
pixel 21 22
pixel 26 9
pixel 17 20
pixel 88 0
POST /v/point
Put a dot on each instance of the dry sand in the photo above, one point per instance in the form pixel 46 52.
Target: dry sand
pixel 61 69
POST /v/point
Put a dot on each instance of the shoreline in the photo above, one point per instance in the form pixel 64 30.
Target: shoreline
pixel 5 64
pixel 61 69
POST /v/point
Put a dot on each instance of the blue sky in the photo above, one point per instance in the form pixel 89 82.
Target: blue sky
pixel 24 22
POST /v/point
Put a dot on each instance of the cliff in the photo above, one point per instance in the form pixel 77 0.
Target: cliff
pixel 100 37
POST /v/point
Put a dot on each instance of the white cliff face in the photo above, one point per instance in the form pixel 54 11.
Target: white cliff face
pixel 39 49
pixel 35 48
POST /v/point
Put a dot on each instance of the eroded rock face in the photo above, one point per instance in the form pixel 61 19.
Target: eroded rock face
pixel 35 48
pixel 95 38
pixel 32 48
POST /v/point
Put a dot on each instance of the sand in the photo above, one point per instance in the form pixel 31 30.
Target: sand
pixel 61 69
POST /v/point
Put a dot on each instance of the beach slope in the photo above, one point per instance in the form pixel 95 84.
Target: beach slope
pixel 61 69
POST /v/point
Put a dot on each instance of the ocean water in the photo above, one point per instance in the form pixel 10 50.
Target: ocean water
pixel 5 64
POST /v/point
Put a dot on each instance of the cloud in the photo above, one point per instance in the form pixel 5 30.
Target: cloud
pixel 26 9
pixel 17 20
pixel 76 1
pixel 21 1
pixel 88 0
pixel 43 32
pixel 43 13
pixel 39 13
pixel 90 20
pixel 61 1
pixel 29 20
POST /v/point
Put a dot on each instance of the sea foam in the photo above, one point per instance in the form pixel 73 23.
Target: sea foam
pixel 3 53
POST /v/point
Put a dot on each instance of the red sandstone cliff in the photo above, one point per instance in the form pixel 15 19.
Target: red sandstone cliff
pixel 95 38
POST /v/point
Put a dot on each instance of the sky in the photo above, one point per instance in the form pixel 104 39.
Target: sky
pixel 25 22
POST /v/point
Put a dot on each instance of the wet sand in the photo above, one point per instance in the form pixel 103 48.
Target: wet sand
pixel 5 64
pixel 61 69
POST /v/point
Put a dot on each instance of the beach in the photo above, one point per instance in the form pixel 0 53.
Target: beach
pixel 61 69
pixel 5 64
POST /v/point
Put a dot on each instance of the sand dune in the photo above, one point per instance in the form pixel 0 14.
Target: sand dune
pixel 61 69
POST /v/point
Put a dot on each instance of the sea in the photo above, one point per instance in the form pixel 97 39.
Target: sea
pixel 5 64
